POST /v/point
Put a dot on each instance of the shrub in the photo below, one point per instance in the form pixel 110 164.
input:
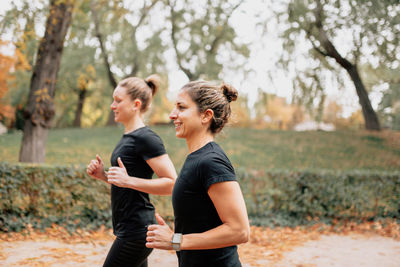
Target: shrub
pixel 291 198
pixel 41 195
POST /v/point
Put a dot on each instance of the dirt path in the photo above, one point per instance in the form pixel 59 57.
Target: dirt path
pixel 345 251
pixel 327 250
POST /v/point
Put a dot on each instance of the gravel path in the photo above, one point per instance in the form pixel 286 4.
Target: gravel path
pixel 329 250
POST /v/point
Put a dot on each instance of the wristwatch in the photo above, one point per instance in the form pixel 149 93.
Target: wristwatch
pixel 176 241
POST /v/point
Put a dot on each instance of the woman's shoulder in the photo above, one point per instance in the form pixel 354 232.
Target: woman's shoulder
pixel 149 143
pixel 215 166
pixel 145 139
pixel 213 153
pixel 144 133
pixel 215 149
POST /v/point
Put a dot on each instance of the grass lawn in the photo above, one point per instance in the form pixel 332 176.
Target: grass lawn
pixel 249 148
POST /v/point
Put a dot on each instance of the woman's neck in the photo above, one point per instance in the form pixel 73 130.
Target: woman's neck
pixel 198 141
pixel 135 123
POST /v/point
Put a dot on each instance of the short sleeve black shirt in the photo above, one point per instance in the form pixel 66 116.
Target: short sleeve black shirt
pixel 193 209
pixel 132 210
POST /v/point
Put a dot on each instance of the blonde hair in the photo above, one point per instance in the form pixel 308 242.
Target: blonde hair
pixel 143 89
pixel 215 97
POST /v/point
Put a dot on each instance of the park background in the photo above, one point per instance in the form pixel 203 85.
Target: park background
pixel 314 136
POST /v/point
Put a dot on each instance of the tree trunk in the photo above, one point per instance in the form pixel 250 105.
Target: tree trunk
pixel 370 117
pixel 33 147
pixel 39 111
pixel 79 109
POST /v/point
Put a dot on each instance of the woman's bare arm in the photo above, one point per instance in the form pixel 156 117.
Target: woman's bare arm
pixel 229 203
pixel 161 165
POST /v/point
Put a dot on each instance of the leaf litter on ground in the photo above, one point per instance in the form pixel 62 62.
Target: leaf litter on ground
pixel 265 243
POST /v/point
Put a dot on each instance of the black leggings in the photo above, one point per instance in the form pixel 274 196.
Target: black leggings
pixel 127 253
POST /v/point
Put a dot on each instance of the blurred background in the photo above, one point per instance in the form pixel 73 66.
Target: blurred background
pixel 314 133
pixel 297 64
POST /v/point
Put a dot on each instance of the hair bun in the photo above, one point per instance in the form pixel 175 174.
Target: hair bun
pixel 229 91
pixel 153 81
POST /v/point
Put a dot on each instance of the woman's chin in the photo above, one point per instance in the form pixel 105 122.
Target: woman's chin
pixel 179 135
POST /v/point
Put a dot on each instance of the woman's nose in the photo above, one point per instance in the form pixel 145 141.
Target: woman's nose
pixel 172 115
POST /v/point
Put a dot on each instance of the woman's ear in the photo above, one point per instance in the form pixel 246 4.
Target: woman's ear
pixel 137 104
pixel 207 116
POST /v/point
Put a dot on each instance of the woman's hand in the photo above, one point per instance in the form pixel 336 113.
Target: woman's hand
pixel 159 235
pixel 118 175
pixel 96 169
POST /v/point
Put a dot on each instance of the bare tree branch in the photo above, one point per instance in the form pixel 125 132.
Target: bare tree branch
pixel 111 77
pixel 188 73
pixel 324 40
pixel 218 37
pixel 144 13
pixel 316 48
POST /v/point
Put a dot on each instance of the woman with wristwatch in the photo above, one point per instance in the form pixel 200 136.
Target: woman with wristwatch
pixel 210 213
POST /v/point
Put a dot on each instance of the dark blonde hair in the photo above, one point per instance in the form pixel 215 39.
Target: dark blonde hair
pixel 144 90
pixel 215 97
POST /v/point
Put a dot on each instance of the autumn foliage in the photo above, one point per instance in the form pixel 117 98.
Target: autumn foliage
pixel 7 64
pixel 265 243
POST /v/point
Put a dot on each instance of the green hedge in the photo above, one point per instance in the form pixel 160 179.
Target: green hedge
pixel 291 198
pixel 42 195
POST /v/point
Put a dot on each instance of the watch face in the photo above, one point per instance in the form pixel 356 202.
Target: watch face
pixel 176 239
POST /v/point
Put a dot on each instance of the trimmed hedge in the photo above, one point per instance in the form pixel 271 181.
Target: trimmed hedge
pixel 290 198
pixel 41 195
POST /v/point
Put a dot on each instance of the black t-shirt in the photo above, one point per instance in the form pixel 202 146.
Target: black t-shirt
pixel 132 210
pixel 193 209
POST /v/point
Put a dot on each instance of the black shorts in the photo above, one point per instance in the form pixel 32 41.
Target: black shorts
pixel 127 253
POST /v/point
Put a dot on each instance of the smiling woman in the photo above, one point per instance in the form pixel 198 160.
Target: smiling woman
pixel 210 213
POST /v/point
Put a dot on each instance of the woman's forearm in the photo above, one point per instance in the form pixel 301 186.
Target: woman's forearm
pixel 159 186
pixel 222 236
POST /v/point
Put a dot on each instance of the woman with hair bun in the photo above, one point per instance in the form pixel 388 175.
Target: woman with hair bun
pixel 210 213
pixel 139 154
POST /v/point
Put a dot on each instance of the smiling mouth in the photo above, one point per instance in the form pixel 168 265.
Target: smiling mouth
pixel 177 125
